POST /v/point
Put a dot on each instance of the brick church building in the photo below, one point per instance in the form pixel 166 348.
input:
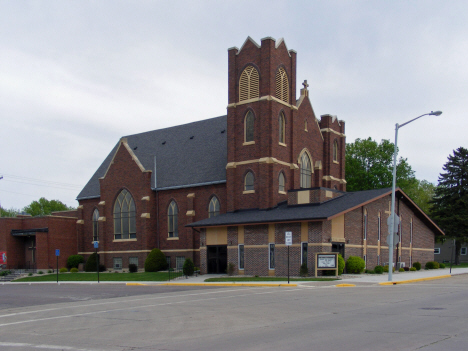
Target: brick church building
pixel 226 189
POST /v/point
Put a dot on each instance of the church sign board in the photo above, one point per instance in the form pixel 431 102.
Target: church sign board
pixel 326 261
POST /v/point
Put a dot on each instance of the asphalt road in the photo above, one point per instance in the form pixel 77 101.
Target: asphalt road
pixel 422 316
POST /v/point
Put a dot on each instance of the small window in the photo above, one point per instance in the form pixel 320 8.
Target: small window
pixel 437 251
pixel 133 260
pixel 213 207
pixel 282 125
pixel 305 125
pixel 96 225
pixel 117 263
pixel 249 181
pixel 365 224
pixel 180 260
pixel 271 256
pixel 281 182
pixel 241 256
pixel 304 247
pixel 463 251
pixel 306 171
pixel 335 151
pixel 172 220
pixel 249 126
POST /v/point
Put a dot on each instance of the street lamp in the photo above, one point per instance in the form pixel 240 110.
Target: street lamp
pixel 392 214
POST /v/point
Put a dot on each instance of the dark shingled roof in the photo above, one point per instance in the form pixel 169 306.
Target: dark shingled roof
pixel 181 161
pixel 285 213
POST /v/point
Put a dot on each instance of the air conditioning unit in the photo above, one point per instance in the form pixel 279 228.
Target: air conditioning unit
pixel 386 264
pixel 400 264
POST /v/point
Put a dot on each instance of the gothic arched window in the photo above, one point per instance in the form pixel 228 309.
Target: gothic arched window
pixel 172 220
pixel 282 128
pixel 282 85
pixel 249 126
pixel 95 225
pixel 306 171
pixel 281 182
pixel 335 151
pixel 249 181
pixel 213 207
pixel 248 84
pixel 124 216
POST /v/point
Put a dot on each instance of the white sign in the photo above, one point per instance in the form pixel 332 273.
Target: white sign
pixel 288 238
pixel 395 225
pixel 326 261
pixel 396 239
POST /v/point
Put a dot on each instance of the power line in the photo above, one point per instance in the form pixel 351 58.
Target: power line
pixel 27 180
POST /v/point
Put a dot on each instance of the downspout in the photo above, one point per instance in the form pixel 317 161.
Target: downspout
pixel 157 202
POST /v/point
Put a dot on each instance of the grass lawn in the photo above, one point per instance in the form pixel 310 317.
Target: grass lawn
pixel 267 279
pixel 461 265
pixel 105 277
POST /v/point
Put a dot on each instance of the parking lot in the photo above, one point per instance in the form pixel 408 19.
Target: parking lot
pixel 314 316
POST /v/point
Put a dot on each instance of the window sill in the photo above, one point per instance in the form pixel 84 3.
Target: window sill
pixel 282 192
pixel 248 143
pixel 173 238
pixel 248 192
pixel 123 240
pixel 282 144
pixel 336 162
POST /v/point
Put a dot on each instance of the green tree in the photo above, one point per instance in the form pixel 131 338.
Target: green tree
pixel 370 166
pixel 45 207
pixel 422 193
pixel 12 212
pixel 450 203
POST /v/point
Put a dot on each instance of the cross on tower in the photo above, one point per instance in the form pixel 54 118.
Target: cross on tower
pixel 305 84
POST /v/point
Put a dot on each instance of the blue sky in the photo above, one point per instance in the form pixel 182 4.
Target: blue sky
pixel 75 76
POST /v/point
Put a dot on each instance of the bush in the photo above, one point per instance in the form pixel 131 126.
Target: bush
pixel 385 269
pixel 49 271
pixel 102 268
pixel 341 264
pixel 74 270
pixel 417 265
pixel 40 272
pixel 30 274
pixel 156 261
pixel 401 269
pixel 132 268
pixel 431 265
pixel 413 269
pixel 369 271
pixel 304 271
pixel 355 264
pixel 91 263
pixel 406 269
pixel 74 260
pixel 441 265
pixel 63 270
pixel 189 267
pixel 378 270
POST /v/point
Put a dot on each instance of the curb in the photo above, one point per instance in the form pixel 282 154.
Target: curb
pixel 416 280
pixel 221 284
pixel 345 285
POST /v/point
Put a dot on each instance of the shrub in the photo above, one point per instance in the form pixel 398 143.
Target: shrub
pixel 40 272
pixel 304 271
pixel 102 268
pixel 91 263
pixel 156 261
pixel 74 270
pixel 369 271
pixel 132 268
pixel 355 264
pixel 417 265
pixel 401 269
pixel 74 260
pixel 189 267
pixel 63 270
pixel 441 265
pixel 385 269
pixel 431 265
pixel 406 269
pixel 413 269
pixel 341 264
pixel 378 270
pixel 30 274
pixel 49 271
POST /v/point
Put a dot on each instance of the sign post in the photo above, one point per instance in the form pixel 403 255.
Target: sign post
pixel 57 253
pixel 288 242
pixel 96 245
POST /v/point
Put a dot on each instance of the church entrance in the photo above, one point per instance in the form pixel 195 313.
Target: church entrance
pixel 338 247
pixel 30 252
pixel 217 259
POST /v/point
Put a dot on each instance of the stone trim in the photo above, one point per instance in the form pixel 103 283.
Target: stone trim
pixel 262 160
pixel 329 130
pixel 266 97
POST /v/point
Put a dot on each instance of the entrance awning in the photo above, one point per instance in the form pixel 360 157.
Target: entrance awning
pixel 27 232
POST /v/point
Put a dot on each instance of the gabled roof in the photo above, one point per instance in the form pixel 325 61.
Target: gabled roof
pixel 187 155
pixel 310 212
